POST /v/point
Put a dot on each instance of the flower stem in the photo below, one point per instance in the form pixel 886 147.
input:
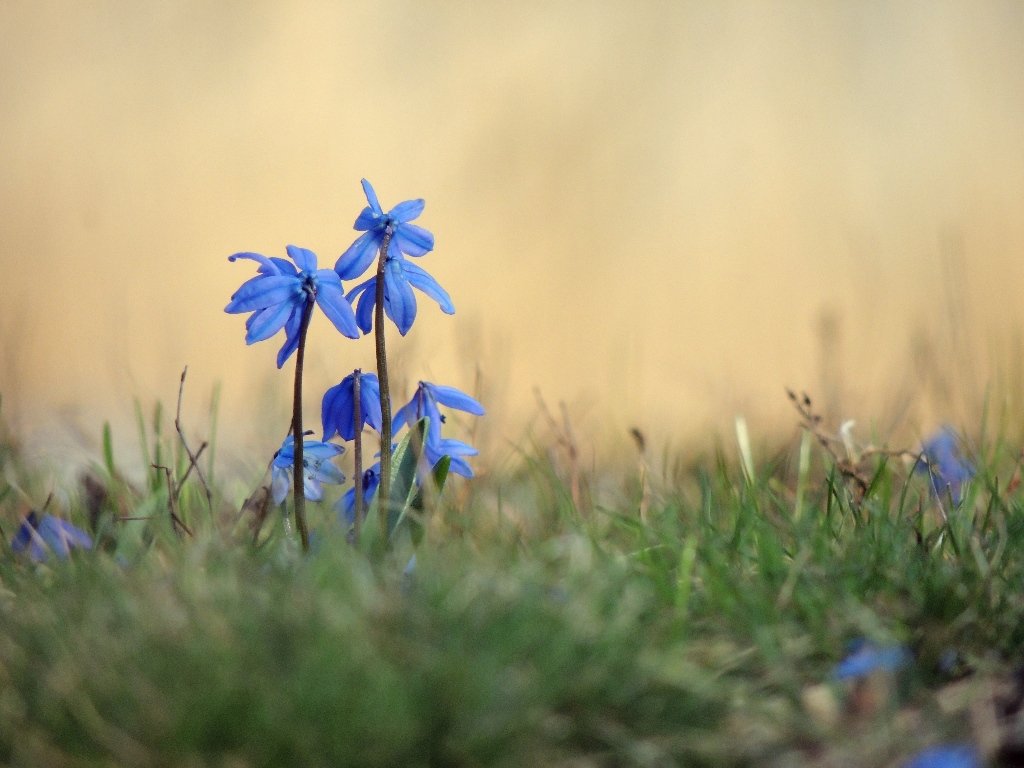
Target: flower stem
pixel 384 490
pixel 357 417
pixel 298 467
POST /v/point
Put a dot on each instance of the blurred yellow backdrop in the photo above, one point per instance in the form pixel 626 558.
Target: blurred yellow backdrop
pixel 660 212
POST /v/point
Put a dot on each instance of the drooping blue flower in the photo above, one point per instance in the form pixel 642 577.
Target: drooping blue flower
pixel 947 469
pixel 425 403
pixel 405 237
pixel 337 412
pixel 278 295
pixel 865 657
pixel 317 468
pixel 50 535
pixel 947 756
pixel 400 277
pixel 347 503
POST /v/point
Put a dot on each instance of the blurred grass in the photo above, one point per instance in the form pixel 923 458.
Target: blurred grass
pixel 556 616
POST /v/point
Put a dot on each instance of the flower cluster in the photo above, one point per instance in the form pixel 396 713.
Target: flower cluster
pixel 947 469
pixel 283 295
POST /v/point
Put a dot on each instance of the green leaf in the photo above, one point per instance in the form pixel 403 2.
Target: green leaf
pixel 108 449
pixel 438 475
pixel 404 466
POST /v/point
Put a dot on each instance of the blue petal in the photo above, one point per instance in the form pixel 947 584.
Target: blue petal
pixel 261 293
pixel 407 210
pixel 336 404
pixel 369 219
pixel 949 756
pixel 291 342
pixel 455 398
pixel 320 450
pixel 413 240
pixel 331 300
pixel 354 261
pixel 371 196
pixel 267 266
pixel 266 322
pixel 280 481
pixel 419 278
pixel 369 398
pixel 399 300
pixel 285 266
pixel 304 258
pixel 366 293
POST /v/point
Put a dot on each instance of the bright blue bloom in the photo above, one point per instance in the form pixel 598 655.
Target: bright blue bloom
pixel 51 534
pixel 347 504
pixel 278 295
pixel 945 464
pixel 425 403
pixel 400 277
pixel 405 237
pixel 951 756
pixel 337 412
pixel 317 468
pixel 866 657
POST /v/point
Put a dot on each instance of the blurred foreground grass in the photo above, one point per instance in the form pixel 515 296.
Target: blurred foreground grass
pixel 554 617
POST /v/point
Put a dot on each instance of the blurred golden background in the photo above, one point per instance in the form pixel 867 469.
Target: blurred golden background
pixel 661 213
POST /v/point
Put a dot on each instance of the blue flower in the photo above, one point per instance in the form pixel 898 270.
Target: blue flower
pixel 425 403
pixel 317 468
pixel 405 237
pixel 945 464
pixel 278 295
pixel 337 412
pixel 51 534
pixel 347 504
pixel 400 277
pixel 950 756
pixel 865 658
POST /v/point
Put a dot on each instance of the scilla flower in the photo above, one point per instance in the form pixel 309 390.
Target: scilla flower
pixel 49 535
pixel 280 293
pixel 347 504
pixel 338 408
pixel 405 237
pixel 317 468
pixel 945 464
pixel 400 276
pixel 425 403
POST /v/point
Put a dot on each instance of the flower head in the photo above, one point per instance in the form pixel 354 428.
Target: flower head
pixel 400 276
pixel 48 535
pixel 374 223
pixel 317 468
pixel 425 403
pixel 338 409
pixel 347 504
pixel 279 294
pixel 865 658
pixel 945 464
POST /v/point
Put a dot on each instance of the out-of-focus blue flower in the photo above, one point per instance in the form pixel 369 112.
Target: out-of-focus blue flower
pixel 347 504
pixel 405 237
pixel 400 277
pixel 278 295
pixel 945 464
pixel 949 756
pixel 865 657
pixel 48 535
pixel 317 468
pixel 337 412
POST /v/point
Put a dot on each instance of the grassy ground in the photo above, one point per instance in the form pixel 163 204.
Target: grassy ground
pixel 552 618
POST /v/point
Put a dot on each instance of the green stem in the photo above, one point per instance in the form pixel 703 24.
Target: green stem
pixel 297 435
pixel 384 489
pixel 357 416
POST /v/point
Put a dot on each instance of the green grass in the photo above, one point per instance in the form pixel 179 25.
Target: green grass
pixel 689 620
